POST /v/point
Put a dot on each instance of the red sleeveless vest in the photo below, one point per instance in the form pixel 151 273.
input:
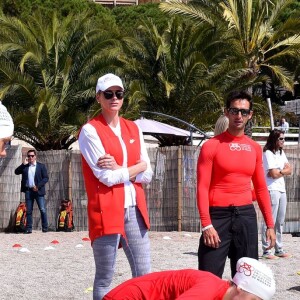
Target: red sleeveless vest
pixel 106 204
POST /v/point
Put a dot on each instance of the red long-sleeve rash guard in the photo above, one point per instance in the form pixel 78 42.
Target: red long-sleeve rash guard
pixel 180 284
pixel 225 168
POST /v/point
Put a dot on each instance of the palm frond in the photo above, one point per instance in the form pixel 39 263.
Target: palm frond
pixel 190 11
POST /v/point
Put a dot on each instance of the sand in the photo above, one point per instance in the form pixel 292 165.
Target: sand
pixel 41 269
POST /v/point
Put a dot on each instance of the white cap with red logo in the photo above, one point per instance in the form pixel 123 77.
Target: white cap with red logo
pixel 255 278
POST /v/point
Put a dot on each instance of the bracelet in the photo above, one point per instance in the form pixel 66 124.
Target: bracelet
pixel 281 172
pixel 207 227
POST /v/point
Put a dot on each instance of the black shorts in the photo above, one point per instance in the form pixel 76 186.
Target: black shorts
pixel 237 230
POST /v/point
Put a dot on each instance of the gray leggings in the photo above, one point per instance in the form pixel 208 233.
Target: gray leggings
pixel 136 248
pixel 279 202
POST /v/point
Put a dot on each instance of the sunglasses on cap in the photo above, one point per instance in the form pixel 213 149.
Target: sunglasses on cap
pixel 110 94
pixel 235 111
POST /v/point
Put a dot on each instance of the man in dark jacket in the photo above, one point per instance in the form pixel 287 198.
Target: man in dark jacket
pixel 34 178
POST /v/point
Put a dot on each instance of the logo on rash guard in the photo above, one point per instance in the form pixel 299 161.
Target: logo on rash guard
pixel 239 147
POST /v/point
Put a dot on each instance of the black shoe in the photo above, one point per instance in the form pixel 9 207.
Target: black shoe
pixel 44 230
pixel 27 232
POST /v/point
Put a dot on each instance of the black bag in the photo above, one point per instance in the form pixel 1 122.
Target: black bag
pixel 65 217
pixel 20 218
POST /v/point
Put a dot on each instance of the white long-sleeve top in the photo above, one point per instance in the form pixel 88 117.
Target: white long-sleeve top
pixel 92 149
pixel 274 161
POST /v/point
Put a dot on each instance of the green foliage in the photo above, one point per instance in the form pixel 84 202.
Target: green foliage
pixel 48 70
pixel 174 70
pixel 292 10
pixel 130 17
pixel 250 26
pixel 25 8
pixel 182 66
pixel 260 46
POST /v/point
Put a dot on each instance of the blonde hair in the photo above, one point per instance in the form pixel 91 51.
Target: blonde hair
pixel 221 125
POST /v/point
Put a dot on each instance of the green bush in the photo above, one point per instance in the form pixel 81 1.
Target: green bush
pixel 131 16
pixel 23 8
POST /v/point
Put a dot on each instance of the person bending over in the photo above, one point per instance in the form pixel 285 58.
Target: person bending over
pixel 253 281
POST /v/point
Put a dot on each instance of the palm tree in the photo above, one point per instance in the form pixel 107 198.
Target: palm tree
pixel 48 70
pixel 250 25
pixel 258 47
pixel 174 71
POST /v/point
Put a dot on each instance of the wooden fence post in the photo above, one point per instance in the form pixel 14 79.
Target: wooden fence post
pixel 70 196
pixel 179 165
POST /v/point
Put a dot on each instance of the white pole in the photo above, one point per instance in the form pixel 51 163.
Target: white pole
pixel 271 113
pixel 297 113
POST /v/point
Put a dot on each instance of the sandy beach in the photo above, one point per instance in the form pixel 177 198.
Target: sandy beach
pixel 60 265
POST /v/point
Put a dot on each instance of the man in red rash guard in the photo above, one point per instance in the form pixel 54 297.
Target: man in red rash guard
pixel 226 165
pixel 253 281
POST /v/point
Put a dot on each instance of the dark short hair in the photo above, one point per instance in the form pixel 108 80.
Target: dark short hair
pixel 238 95
pixel 31 150
pixel 272 140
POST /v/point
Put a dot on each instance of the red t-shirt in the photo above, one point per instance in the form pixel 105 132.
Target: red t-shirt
pixel 225 168
pixel 169 285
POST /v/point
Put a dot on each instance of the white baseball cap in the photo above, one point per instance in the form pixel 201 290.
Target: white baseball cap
pixel 108 80
pixel 6 123
pixel 254 277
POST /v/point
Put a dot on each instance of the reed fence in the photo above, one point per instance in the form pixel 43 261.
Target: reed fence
pixel 171 195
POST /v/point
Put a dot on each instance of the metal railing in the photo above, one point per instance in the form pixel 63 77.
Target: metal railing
pixel 260 135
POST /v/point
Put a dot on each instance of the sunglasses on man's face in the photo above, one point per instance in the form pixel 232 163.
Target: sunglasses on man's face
pixel 235 111
pixel 30 155
pixel 110 94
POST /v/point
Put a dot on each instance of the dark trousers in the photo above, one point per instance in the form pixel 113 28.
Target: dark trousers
pixel 30 196
pixel 237 230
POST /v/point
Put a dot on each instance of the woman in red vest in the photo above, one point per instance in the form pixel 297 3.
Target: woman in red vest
pixel 115 164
